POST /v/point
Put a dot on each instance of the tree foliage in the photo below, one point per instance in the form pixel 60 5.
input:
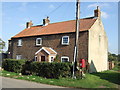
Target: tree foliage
pixel 113 57
pixel 2 45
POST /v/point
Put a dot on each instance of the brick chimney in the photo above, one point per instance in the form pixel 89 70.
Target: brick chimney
pixel 97 12
pixel 29 24
pixel 46 21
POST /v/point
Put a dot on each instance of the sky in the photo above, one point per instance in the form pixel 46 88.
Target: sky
pixel 16 14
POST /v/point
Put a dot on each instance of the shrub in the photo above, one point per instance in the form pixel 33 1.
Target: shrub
pixel 49 70
pixel 13 65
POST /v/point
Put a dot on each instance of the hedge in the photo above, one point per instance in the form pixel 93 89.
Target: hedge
pixel 48 70
pixel 13 65
pixel 43 69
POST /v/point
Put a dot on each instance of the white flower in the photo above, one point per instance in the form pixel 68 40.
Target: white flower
pixel 33 78
pixel 51 81
pixel 27 77
pixel 7 74
pixel 20 73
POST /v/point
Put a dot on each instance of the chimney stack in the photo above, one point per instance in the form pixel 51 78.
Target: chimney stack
pixel 29 24
pixel 46 21
pixel 97 12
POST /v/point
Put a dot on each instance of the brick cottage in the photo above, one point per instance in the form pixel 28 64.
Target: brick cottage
pixel 45 42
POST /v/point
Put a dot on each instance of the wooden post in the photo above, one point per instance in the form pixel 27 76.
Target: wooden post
pixel 76 37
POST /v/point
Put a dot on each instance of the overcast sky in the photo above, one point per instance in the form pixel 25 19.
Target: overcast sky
pixel 16 14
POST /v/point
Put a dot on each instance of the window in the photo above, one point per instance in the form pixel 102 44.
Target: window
pixel 65 40
pixel 64 59
pixel 39 41
pixel 18 57
pixel 52 59
pixel 35 58
pixel 20 42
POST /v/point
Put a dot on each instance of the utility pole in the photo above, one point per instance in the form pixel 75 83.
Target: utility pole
pixel 76 37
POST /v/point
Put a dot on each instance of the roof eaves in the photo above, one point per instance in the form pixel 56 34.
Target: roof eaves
pixel 45 34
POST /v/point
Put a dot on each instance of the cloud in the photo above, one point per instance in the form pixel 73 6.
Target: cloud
pixel 51 6
pixel 98 4
pixel 23 7
pixel 104 14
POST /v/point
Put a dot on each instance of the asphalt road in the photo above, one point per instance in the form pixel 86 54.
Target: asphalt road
pixel 15 83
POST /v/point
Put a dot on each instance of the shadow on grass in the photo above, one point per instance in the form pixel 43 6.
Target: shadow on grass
pixel 113 77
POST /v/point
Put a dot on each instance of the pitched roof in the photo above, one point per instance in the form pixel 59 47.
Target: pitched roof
pixel 56 28
pixel 48 50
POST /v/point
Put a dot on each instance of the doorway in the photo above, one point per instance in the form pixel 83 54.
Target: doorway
pixel 42 58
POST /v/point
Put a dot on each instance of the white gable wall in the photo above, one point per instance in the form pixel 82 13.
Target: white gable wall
pixel 98 48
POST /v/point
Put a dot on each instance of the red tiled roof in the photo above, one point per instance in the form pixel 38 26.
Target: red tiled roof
pixel 56 28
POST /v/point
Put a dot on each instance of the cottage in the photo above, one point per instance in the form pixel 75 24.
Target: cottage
pixel 45 42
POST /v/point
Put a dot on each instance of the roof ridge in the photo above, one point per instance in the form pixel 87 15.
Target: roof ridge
pixel 66 21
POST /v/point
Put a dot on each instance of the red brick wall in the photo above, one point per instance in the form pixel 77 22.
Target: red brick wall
pixel 29 48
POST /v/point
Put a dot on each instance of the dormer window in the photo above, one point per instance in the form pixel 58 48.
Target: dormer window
pixel 65 40
pixel 20 42
pixel 38 41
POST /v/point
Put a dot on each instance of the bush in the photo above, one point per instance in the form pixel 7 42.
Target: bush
pixel 117 66
pixel 49 70
pixel 43 69
pixel 13 65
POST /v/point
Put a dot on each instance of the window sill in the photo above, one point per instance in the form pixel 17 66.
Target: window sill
pixel 38 45
pixel 65 44
pixel 20 46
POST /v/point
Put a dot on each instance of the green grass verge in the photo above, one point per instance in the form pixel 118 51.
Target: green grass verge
pixel 106 79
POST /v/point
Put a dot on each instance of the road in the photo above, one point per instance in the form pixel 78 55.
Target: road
pixel 15 83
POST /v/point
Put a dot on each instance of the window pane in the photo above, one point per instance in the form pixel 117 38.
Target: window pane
pixel 64 59
pixel 52 59
pixel 19 57
pixel 65 40
pixel 20 42
pixel 38 41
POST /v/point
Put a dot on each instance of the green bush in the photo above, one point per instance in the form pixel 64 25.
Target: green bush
pixel 117 66
pixel 43 69
pixel 48 70
pixel 13 65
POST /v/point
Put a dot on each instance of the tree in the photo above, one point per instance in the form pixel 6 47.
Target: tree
pixel 2 45
pixel 112 57
pixel 119 57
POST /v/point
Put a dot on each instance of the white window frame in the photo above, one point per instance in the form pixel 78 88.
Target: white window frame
pixel 65 58
pixel 19 42
pixel 51 60
pixel 35 58
pixel 18 57
pixel 37 41
pixel 63 42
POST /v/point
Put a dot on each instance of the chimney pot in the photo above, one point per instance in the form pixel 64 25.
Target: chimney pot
pixel 29 24
pixel 97 12
pixel 46 21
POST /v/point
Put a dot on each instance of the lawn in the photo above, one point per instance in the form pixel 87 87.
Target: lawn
pixel 106 79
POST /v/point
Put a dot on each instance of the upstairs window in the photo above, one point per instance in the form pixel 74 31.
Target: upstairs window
pixel 64 59
pixel 39 41
pixel 65 40
pixel 18 57
pixel 20 42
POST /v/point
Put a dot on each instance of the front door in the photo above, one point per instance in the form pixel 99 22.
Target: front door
pixel 42 58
